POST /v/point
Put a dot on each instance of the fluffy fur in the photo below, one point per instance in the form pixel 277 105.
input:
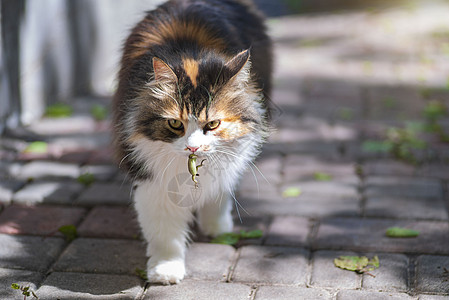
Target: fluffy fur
pixel 188 66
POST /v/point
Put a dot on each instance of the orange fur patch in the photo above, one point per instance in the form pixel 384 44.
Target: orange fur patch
pixel 191 68
pixel 155 33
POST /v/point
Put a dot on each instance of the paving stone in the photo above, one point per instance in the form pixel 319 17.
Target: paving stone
pixel 334 188
pixel 258 264
pixel 249 223
pixel 325 148
pixel 304 168
pixel 432 297
pixel 435 170
pixel 106 193
pixel 304 205
pixel 29 252
pixel 110 222
pixel 57 192
pixel 288 231
pixel 291 293
pixel 367 295
pixel 201 257
pixel 8 187
pixel 112 256
pixel 23 278
pixel 369 235
pixel 403 187
pixel 432 274
pixel 388 167
pixel 45 169
pixel 392 274
pixel 100 172
pixel 408 208
pixel 192 290
pixel 102 156
pixel 90 286
pixel 38 220
pixel 325 274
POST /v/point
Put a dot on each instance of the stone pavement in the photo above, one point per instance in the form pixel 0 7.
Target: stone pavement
pixel 342 81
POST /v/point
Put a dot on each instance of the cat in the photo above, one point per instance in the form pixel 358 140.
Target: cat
pixel 194 82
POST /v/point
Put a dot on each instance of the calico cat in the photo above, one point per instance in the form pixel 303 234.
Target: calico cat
pixel 194 79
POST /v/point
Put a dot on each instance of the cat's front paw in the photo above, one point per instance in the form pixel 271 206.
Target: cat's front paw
pixel 167 272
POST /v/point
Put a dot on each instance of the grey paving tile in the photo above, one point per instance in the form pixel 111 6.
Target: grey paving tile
pixel 92 255
pixel 433 297
pixel 57 192
pixel 340 188
pixel 192 290
pixel 368 295
pixel 369 235
pixel 409 208
pixel 267 169
pixel 7 189
pixel 29 253
pixel 291 293
pixel 388 167
pixel 100 172
pixel 106 193
pixel 304 205
pixel 21 277
pixel 304 167
pixel 250 223
pixel 47 169
pixel 392 274
pixel 325 274
pixel 432 274
pixel 208 261
pixel 258 264
pixel 413 187
pixel 288 231
pixel 90 286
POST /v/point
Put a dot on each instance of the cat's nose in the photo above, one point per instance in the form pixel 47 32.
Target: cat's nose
pixel 193 149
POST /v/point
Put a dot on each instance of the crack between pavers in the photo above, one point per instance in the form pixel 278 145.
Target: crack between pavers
pixel 234 260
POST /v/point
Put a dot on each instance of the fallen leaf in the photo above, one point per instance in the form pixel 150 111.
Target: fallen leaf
pixel 291 192
pixel 253 234
pixel 86 179
pixel 58 110
pixel 320 176
pixel 36 147
pixel 141 273
pixel 399 232
pixel 69 231
pixel 359 264
pixel 99 112
pixel 229 238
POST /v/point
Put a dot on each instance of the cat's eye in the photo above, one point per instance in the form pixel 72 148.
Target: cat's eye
pixel 175 124
pixel 212 125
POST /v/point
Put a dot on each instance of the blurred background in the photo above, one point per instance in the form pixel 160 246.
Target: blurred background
pixel 57 51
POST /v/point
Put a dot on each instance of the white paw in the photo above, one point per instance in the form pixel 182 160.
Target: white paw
pixel 167 272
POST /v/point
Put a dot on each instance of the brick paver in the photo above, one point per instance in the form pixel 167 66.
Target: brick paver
pixel 341 79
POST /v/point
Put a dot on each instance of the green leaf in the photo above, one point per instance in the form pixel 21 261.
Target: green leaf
pixel 86 179
pixel 320 176
pixel 398 232
pixel 69 231
pixel 58 110
pixel 229 238
pixel 377 146
pixel 359 264
pixel 15 286
pixel 253 234
pixel 346 114
pixel 99 112
pixel 291 192
pixel 141 273
pixel 37 147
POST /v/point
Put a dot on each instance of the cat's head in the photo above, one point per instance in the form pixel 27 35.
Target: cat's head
pixel 198 106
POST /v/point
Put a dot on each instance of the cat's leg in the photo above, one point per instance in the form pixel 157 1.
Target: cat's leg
pixel 165 228
pixel 215 217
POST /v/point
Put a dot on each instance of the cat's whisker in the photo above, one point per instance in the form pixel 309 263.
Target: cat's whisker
pixel 166 167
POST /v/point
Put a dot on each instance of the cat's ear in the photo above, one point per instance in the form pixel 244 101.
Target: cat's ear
pixel 162 72
pixel 239 65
